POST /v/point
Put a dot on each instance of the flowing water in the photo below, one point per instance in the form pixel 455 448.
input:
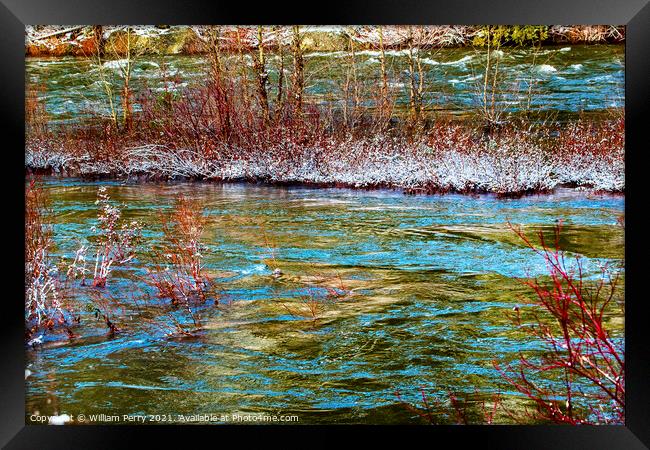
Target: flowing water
pixel 427 283
pixel 431 282
pixel 567 80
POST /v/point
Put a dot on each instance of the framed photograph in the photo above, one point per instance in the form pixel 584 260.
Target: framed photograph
pixel 422 214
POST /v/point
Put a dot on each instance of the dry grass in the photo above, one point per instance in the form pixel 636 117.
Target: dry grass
pixel 176 269
pixel 45 295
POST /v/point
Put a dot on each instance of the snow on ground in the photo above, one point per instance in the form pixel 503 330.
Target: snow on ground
pixel 502 169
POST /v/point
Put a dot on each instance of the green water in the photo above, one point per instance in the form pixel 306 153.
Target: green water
pixel 564 79
pixel 432 281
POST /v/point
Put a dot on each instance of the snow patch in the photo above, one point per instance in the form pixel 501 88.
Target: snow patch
pixel 116 64
pixel 546 68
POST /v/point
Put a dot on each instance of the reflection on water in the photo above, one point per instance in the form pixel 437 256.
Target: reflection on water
pixel 432 281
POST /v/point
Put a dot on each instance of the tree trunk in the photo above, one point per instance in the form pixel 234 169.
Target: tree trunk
pixel 384 114
pixel 262 76
pixel 127 108
pixel 98 36
pixel 298 69
pixel 416 85
pixel 279 100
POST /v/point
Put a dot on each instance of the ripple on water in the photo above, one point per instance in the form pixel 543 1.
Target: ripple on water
pixel 431 282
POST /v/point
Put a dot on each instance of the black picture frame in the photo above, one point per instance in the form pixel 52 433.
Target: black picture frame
pixel 635 14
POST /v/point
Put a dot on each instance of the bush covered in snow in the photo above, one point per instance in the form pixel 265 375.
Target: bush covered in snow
pixel 454 159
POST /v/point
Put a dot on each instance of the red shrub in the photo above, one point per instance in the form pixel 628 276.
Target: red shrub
pixel 580 351
pixel 177 271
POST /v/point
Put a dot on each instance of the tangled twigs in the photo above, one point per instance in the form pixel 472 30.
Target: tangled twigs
pixel 580 350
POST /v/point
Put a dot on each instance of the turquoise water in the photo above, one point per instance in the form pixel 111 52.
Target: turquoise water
pixel 566 80
pixel 431 284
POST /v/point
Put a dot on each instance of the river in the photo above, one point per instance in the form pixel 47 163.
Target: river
pixel 433 281
pixel 564 79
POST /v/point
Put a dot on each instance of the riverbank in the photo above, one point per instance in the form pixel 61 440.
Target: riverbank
pixel 447 158
pixel 510 120
pixel 173 40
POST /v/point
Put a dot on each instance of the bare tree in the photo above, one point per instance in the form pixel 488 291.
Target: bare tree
pixel 126 69
pixel 118 92
pixel 279 100
pixel 259 66
pixel 491 114
pixel 98 37
pixel 298 68
pixel 214 49
pixel 416 82
pixel 351 87
pixel 243 75
pixel 219 78
pixel 384 113
pixel 105 78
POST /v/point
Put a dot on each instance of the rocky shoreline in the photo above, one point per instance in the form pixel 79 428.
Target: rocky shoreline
pixel 80 40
